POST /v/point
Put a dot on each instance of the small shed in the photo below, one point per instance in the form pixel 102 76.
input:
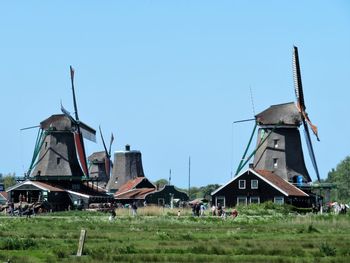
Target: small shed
pixel 164 196
pixel 258 186
pixel 33 191
pixel 60 195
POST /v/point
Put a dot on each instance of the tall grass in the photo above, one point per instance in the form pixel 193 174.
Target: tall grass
pixel 258 234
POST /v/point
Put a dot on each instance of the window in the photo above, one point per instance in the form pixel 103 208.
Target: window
pixel 58 160
pixel 220 200
pixel 255 200
pixel 241 200
pixel 241 184
pixel 45 195
pixel 275 163
pixel 254 184
pixel 275 143
pixel 279 200
pixel 45 145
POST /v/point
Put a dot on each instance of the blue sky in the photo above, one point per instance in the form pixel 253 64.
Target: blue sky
pixel 170 77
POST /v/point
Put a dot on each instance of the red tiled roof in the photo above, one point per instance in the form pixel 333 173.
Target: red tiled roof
pixel 139 193
pixel 4 194
pixel 281 183
pixel 131 184
pixel 48 186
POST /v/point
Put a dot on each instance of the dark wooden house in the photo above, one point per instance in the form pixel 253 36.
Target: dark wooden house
pixel 258 186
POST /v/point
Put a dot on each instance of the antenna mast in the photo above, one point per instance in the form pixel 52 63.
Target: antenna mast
pixel 169 177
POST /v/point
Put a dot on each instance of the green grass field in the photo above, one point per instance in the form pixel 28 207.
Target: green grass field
pixel 257 235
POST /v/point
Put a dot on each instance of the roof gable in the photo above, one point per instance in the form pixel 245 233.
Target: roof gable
pixel 273 180
pixel 39 185
pixel 281 184
pixel 139 193
pixel 132 184
pixel 3 195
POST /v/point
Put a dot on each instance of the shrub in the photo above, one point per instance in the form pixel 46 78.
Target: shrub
pixel 163 235
pixel 15 243
pixel 327 250
pixel 312 229
pixel 60 252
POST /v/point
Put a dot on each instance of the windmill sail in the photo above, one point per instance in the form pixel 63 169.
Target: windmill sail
pixel 81 131
pixel 311 150
pixel 298 87
pixel 87 132
pixel 67 113
pixel 108 162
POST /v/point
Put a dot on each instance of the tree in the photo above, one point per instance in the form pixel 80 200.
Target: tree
pixel 9 180
pixel 207 190
pixel 341 178
pixel 161 183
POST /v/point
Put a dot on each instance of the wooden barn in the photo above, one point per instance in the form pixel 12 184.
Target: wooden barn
pixel 134 190
pixel 142 191
pixel 258 186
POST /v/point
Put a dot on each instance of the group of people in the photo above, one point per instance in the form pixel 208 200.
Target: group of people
pixel 198 209
pixel 221 212
pixel 20 210
pixel 113 214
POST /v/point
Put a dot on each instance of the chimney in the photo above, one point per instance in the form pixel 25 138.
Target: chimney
pixel 127 148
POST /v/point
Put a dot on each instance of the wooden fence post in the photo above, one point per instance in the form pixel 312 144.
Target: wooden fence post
pixel 81 242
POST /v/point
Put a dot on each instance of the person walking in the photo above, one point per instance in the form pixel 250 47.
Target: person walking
pixel 134 209
pixel 202 209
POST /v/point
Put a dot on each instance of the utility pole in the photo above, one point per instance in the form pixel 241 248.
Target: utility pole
pixel 189 177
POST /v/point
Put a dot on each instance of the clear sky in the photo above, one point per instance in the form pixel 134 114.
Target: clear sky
pixel 170 77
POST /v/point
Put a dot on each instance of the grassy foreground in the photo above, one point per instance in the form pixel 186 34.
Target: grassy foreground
pixel 257 235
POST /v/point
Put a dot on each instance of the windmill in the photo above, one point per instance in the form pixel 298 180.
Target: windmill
pixel 100 163
pixel 279 147
pixel 59 149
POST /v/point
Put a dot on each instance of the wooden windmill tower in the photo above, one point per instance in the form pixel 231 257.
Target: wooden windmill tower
pixel 59 151
pixel 280 149
pixel 127 166
pixel 100 163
